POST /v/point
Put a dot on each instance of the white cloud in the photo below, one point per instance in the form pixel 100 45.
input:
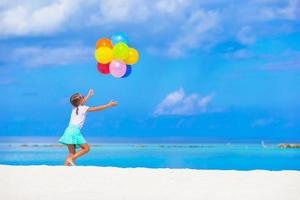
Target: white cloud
pixel 164 27
pixel 6 80
pixel 239 54
pixel 262 122
pixel 118 11
pixel 290 62
pixel 46 56
pixel 204 101
pixel 178 103
pixel 246 35
pixel 291 11
pixel 290 65
pixel 25 18
pixel 171 6
pixel 196 31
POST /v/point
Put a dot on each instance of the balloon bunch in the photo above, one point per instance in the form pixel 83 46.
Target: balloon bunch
pixel 114 56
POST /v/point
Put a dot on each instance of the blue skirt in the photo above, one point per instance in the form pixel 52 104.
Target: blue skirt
pixel 72 135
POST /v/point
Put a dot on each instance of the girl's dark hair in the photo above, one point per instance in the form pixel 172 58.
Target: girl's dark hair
pixel 75 100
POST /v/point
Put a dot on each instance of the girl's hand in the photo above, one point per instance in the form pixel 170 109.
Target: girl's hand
pixel 91 92
pixel 112 103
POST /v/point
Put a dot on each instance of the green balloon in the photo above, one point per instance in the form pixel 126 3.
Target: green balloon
pixel 120 51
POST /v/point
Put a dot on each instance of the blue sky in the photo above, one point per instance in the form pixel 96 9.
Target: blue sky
pixel 224 71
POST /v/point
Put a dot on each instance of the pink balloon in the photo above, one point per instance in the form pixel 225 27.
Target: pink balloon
pixel 117 68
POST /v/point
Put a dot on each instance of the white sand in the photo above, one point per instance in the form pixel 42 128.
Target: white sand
pixel 97 183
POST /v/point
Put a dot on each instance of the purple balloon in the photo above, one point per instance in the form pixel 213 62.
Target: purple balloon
pixel 117 68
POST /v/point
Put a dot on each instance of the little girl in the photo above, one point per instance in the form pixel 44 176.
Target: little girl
pixel 72 136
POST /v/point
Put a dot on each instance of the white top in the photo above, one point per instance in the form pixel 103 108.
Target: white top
pixel 80 118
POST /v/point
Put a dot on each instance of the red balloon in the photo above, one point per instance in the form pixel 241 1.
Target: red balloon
pixel 104 42
pixel 103 68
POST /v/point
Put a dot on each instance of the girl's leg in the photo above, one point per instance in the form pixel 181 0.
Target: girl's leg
pixel 84 149
pixel 72 151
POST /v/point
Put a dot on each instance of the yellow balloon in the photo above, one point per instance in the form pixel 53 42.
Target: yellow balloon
pixel 133 56
pixel 103 55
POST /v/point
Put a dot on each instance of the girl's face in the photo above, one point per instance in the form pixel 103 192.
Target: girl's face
pixel 81 99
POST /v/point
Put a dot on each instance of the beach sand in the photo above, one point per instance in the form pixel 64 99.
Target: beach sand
pixel 110 183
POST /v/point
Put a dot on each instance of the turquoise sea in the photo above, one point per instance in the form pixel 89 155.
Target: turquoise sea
pixel 195 156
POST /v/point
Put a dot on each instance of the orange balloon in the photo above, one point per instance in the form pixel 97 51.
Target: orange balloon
pixel 104 42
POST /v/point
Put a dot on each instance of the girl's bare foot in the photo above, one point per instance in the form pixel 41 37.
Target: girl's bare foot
pixel 70 161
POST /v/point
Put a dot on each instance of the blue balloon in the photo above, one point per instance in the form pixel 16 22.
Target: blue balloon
pixel 119 37
pixel 128 71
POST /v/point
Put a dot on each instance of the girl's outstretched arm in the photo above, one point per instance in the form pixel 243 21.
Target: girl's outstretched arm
pixel 90 93
pixel 102 107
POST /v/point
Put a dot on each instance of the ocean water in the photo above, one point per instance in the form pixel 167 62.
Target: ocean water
pixel 194 156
